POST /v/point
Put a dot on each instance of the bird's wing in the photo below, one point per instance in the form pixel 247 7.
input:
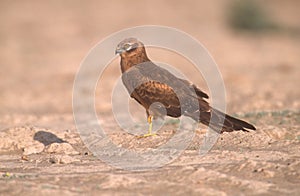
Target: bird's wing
pixel 149 83
pixel 147 91
pixel 199 92
pixel 155 92
pixel 157 73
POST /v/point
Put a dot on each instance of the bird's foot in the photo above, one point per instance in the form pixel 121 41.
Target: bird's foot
pixel 147 135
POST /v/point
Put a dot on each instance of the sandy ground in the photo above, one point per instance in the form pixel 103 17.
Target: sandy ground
pixel 41 151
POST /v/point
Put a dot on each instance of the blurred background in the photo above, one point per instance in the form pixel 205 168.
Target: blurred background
pixel 255 43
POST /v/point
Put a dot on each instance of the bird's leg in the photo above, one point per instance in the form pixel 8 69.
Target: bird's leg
pixel 149 119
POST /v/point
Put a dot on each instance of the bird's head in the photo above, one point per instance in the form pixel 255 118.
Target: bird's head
pixel 129 46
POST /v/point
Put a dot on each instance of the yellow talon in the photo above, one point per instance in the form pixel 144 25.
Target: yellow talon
pixel 147 135
pixel 149 119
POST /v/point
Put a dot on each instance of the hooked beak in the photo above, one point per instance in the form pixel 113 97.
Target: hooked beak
pixel 119 50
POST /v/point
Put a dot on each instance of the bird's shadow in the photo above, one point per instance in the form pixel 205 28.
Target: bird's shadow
pixel 47 138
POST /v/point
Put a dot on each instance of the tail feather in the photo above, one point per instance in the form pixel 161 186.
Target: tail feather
pixel 221 122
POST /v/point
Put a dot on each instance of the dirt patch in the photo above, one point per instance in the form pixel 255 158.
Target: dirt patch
pixel 262 162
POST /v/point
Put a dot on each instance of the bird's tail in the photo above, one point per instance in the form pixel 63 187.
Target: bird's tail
pixel 221 122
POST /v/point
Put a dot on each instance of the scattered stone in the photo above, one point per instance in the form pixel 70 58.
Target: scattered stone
pixel 24 158
pixel 63 159
pixel 34 148
pixel 61 148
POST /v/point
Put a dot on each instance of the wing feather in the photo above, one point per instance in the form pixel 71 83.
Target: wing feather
pixel 149 84
pixel 155 92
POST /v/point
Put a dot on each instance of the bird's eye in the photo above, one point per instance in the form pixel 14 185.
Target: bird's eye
pixel 126 46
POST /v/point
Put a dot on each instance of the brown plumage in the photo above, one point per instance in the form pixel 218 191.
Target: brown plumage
pixel 148 83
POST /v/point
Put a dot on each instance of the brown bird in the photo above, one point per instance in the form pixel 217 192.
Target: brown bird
pixel 161 93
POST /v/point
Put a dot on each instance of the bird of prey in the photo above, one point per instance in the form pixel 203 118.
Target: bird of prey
pixel 161 93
